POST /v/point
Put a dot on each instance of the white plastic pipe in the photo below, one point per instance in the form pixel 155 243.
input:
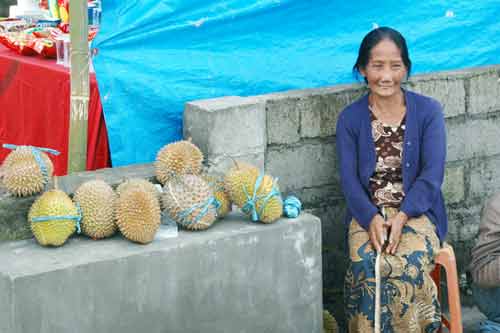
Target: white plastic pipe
pixel 378 281
pixel 377 293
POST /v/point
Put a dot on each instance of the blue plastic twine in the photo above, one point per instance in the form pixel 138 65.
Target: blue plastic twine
pixel 216 188
pixel 77 218
pixel 46 150
pixel 217 205
pixel 184 215
pixel 292 206
pixel 38 158
pixel 250 206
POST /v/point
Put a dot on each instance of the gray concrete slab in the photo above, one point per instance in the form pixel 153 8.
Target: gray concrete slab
pixel 471 317
pixel 237 276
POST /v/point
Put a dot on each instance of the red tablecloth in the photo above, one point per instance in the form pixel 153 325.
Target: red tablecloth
pixel 34 110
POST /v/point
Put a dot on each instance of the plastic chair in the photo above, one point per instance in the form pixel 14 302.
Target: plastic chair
pixel 446 258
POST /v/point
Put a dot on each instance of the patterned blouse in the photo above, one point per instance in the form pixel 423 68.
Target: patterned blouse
pixel 386 183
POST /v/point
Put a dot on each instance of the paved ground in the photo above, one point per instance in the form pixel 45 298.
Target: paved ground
pixel 471 317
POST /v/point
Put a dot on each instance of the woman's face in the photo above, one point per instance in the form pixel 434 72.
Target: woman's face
pixel 385 69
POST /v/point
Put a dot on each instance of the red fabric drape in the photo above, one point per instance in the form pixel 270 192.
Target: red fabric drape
pixel 34 110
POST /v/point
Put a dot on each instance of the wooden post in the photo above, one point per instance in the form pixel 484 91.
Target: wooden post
pixel 79 72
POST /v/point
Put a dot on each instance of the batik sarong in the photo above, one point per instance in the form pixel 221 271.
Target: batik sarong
pixel 409 300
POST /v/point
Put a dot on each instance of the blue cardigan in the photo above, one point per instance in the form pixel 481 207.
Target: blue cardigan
pixel 423 162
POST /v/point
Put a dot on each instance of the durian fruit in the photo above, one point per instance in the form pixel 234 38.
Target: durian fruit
pixel 138 214
pixel 55 204
pixel 138 182
pixel 97 202
pixel 177 159
pixel 190 202
pixel 216 184
pixel 329 323
pixel 240 181
pixel 22 174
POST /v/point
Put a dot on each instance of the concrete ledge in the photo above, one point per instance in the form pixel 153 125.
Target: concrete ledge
pixel 13 216
pixel 234 277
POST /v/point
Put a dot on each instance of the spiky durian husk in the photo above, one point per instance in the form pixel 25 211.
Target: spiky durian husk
pixel 242 177
pixel 216 184
pixel 237 177
pixel 53 232
pixel 22 174
pixel 97 202
pixel 138 214
pixel 272 209
pixel 182 194
pixel 136 183
pixel 329 323
pixel 177 159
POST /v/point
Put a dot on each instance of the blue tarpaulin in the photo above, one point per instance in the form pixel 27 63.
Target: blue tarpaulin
pixel 153 56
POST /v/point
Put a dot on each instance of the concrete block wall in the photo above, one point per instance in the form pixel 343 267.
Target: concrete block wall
pixel 471 100
pixel 295 141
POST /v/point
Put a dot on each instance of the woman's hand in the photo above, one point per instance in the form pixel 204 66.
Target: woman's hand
pixel 396 223
pixel 377 230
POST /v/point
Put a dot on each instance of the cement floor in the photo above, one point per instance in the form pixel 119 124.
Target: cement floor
pixel 471 316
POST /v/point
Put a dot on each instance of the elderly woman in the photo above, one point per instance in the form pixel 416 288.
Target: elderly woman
pixel 391 145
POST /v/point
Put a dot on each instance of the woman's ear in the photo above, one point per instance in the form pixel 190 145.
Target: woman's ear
pixel 362 71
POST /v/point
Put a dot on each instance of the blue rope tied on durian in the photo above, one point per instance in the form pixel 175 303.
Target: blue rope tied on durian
pixel 77 218
pixel 38 159
pixel 250 206
pixel 216 188
pixel 46 150
pixel 292 206
pixel 184 215
pixel 217 205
